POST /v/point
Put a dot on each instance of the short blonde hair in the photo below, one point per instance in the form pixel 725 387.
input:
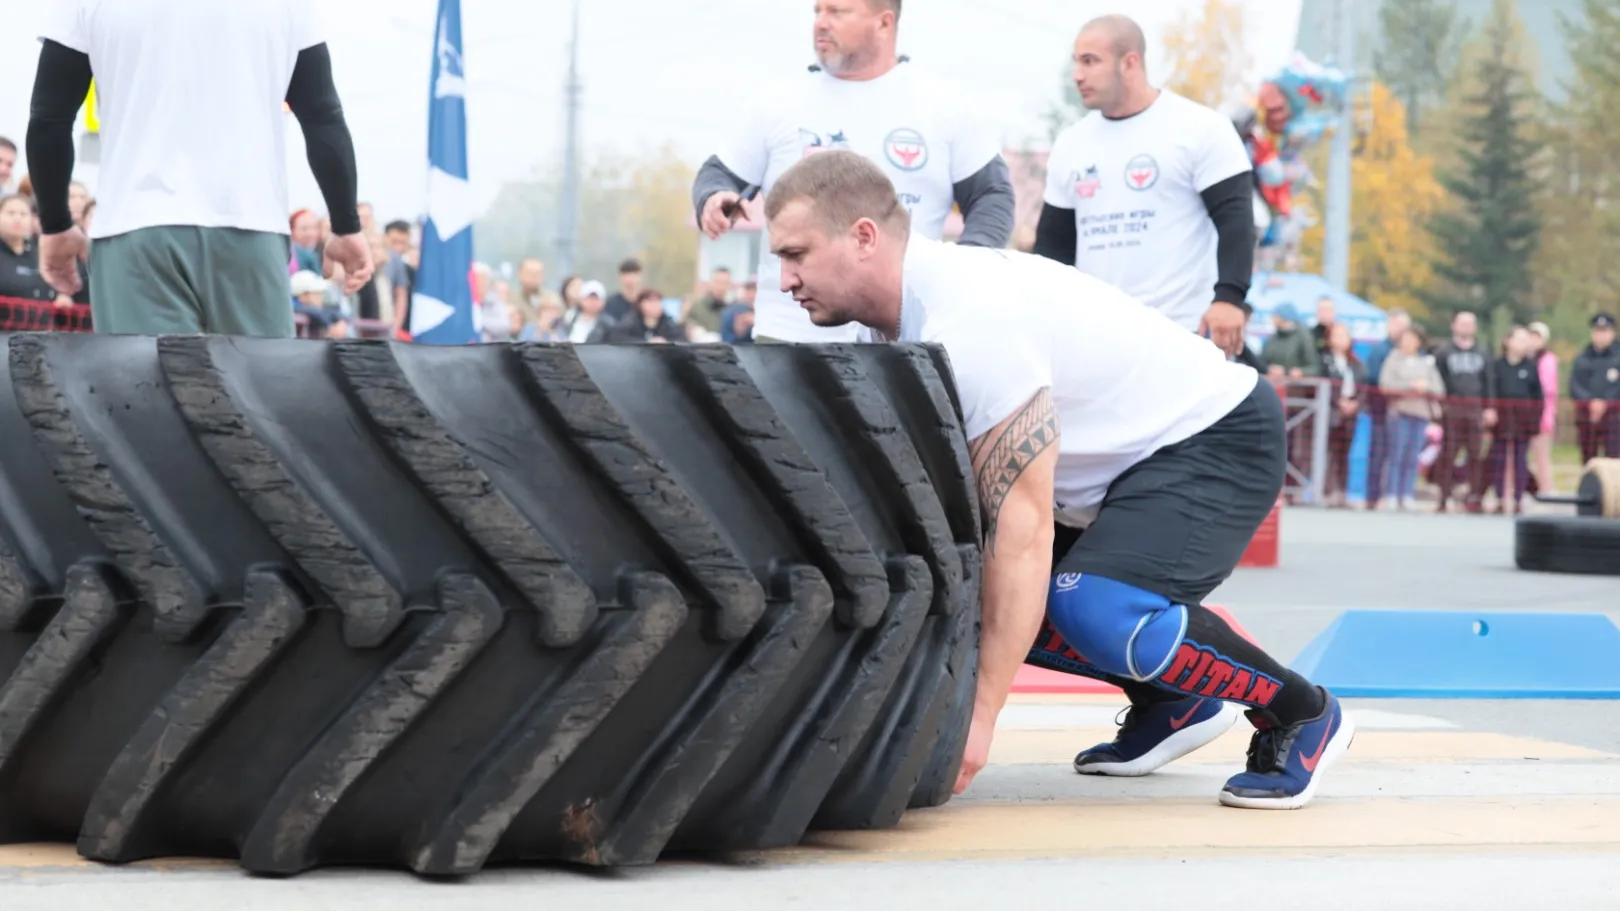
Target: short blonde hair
pixel 842 188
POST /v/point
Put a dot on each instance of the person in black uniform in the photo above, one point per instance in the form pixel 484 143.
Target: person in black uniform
pixel 1594 384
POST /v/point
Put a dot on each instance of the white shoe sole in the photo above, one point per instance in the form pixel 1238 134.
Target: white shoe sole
pixel 1335 748
pixel 1174 747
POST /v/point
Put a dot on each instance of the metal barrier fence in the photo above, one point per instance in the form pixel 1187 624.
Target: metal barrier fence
pixel 18 315
pixel 1382 448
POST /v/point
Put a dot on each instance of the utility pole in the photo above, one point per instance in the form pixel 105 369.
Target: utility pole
pixel 1336 250
pixel 568 234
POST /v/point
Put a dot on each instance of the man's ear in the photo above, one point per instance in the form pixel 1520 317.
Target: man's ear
pixel 865 231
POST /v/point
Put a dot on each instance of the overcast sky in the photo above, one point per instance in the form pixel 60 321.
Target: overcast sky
pixel 654 72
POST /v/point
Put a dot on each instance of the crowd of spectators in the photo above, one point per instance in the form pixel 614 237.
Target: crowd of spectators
pixel 1464 420
pixel 1467 421
pixel 522 306
pixel 19 236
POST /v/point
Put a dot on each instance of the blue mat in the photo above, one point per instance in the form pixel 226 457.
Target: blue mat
pixel 1466 655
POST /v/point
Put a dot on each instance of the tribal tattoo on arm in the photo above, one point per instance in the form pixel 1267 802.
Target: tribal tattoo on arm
pixel 1001 456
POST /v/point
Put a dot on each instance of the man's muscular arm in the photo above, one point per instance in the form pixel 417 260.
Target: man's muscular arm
pixel 1013 465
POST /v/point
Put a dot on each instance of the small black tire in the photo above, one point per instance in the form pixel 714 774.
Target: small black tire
pixel 1567 544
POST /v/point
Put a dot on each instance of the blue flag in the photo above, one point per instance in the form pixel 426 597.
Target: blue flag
pixel 442 304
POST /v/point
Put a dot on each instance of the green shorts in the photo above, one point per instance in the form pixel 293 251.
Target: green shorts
pixel 187 280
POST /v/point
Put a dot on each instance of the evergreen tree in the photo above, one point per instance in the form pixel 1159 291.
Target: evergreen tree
pixel 1577 272
pixel 1419 43
pixel 1487 237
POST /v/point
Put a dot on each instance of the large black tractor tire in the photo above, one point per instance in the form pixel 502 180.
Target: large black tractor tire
pixel 305 603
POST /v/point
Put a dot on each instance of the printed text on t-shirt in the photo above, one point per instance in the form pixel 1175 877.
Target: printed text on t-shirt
pixel 1111 229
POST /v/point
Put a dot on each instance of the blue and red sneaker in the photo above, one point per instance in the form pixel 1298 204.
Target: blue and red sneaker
pixel 1285 763
pixel 1156 734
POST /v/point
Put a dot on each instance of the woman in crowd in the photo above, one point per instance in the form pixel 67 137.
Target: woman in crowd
pixel 1519 408
pixel 571 290
pixel 1410 382
pixel 548 314
pixel 649 322
pixel 1541 473
pixel 306 241
pixel 1348 377
pixel 19 256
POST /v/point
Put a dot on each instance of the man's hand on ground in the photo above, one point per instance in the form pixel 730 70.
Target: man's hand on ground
pixel 353 253
pixel 977 755
pixel 715 222
pixel 1223 323
pixel 59 259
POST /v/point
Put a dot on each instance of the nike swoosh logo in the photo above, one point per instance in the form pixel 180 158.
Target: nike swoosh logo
pixel 1309 762
pixel 1176 724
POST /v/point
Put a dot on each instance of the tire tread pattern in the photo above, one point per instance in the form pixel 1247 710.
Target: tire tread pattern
pixel 566 605
pixel 869 418
pixel 572 399
pixel 372 609
pixel 462 840
pixel 273 613
pixel 135 547
pixel 282 838
pixel 89 614
pixel 823 522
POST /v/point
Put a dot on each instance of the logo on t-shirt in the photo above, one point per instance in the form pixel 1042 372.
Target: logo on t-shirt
pixel 1086 184
pixel 814 142
pixel 1141 172
pixel 905 149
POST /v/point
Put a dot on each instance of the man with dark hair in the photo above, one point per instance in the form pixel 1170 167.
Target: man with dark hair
pixel 1151 191
pixel 1469 412
pixel 192 230
pixel 1122 465
pixel 939 151
pixel 623 301
pixel 397 270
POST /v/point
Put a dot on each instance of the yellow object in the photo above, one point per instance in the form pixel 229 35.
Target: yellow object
pixel 92 123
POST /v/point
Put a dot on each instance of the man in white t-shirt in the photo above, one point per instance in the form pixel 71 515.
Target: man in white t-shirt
pixel 1122 464
pixel 862 97
pixel 191 224
pixel 1151 191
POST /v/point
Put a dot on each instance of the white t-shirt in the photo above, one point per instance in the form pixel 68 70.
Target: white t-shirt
pixel 1134 186
pixel 918 129
pixel 190 96
pixel 1125 381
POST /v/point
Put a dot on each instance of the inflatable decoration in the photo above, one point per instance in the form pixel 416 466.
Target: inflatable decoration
pixel 1290 113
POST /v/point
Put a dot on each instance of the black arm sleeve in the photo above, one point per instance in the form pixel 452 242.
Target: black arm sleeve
pixel 314 101
pixel 1056 236
pixel 1231 208
pixel 713 178
pixel 986 201
pixel 60 84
